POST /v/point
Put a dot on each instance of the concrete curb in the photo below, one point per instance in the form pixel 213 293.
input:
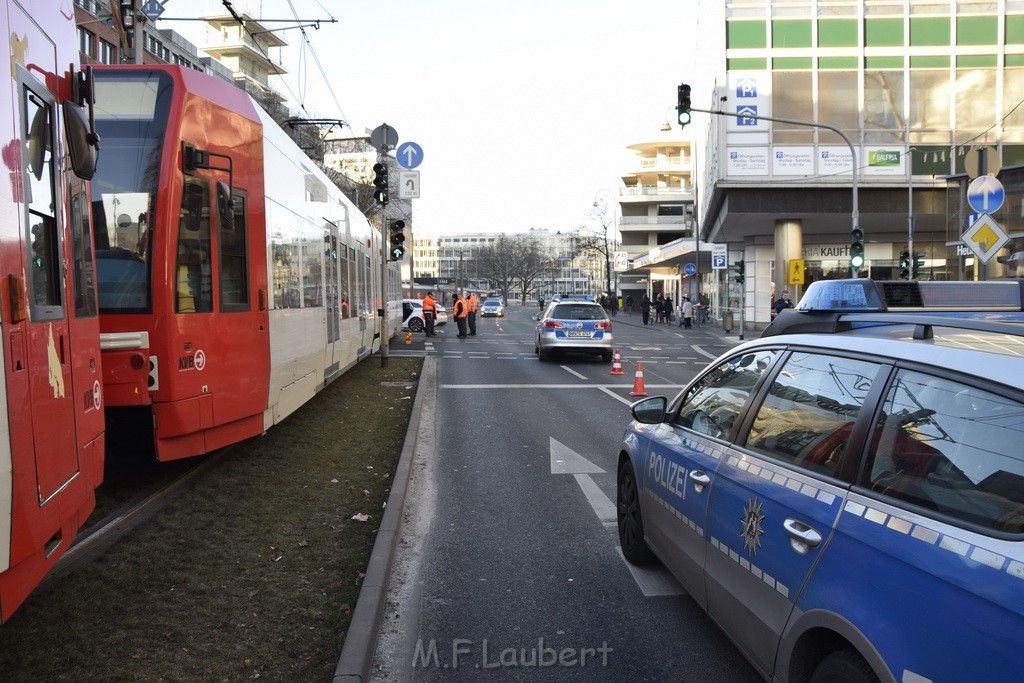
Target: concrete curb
pixel 361 638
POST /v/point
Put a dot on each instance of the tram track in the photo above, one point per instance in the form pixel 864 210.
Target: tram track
pixel 95 538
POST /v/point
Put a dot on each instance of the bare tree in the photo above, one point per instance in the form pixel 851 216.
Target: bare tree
pixel 511 260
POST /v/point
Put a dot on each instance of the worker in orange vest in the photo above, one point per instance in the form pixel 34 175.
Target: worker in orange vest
pixel 472 303
pixel 429 313
pixel 461 311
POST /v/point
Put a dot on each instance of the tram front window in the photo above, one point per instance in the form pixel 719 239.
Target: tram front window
pixel 131 118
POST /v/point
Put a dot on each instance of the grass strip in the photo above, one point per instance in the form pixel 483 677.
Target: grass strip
pixel 251 573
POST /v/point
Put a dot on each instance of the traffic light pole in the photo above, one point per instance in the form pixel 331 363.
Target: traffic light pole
pixel 855 214
pixel 384 253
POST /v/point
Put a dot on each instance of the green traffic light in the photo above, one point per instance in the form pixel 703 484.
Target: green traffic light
pixel 857 261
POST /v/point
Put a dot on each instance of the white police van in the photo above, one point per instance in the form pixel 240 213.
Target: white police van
pixel 845 495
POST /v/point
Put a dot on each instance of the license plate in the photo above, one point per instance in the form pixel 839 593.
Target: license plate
pixel 575 333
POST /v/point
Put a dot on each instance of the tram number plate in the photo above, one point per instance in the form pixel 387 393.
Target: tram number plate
pixel 574 333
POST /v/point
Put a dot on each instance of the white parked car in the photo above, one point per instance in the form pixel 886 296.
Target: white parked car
pixel 412 315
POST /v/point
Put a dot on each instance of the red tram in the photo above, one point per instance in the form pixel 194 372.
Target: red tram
pixel 235 279
pixel 51 399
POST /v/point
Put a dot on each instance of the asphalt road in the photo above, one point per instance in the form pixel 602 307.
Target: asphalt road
pixel 508 564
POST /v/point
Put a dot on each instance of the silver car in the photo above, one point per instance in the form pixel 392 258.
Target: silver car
pixel 575 327
pixel 492 308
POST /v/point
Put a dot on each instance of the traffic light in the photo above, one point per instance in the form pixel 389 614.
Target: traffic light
pixel 380 182
pixel 683 104
pixel 904 265
pixel 397 240
pixel 331 247
pixel 740 271
pixel 128 21
pixel 856 248
pixel 38 245
pixel 918 265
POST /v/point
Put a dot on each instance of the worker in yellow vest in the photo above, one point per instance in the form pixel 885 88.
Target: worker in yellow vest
pixel 460 311
pixel 429 313
pixel 472 303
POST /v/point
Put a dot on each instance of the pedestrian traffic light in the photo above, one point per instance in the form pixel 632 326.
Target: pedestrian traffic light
pixel 380 183
pixel 904 265
pixel 397 240
pixel 740 271
pixel 856 248
pixel 683 104
pixel 918 264
pixel 38 245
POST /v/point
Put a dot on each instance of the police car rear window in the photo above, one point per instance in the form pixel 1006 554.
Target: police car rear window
pixel 569 311
pixel 951 448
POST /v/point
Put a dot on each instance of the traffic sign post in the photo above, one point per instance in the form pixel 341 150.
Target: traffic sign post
pixel 985 194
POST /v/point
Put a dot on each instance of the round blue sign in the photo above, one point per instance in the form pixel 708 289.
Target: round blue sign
pixel 690 269
pixel 409 155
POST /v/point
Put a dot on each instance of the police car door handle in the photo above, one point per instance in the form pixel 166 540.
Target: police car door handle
pixel 804 537
pixel 700 480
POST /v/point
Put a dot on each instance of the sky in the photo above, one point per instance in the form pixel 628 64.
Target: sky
pixel 523 109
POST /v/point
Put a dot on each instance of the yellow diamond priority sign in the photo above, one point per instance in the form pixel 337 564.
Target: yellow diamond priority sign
pixel 985 237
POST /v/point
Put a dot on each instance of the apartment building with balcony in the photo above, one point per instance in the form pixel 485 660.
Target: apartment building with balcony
pixel 657 214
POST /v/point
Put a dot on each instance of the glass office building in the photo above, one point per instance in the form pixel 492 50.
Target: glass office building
pixel 911 100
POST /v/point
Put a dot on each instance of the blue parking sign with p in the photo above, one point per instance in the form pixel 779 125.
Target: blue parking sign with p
pixel 746 87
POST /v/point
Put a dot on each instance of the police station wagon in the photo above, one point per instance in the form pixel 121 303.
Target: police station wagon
pixel 845 495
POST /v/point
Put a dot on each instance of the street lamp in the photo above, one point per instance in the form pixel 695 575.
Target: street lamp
pixel 608 203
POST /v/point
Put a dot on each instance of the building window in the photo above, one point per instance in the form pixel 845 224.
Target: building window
pixel 747 34
pixel 929 31
pixel 883 106
pixel 791 33
pixel 837 33
pixel 85 42
pixel 928 117
pixel 105 53
pixel 792 99
pixel 837 99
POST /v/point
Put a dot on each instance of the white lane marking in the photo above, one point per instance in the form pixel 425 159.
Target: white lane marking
pixel 572 372
pixel 616 396
pixel 603 506
pixel 652 581
pixel 565 460
pixel 698 349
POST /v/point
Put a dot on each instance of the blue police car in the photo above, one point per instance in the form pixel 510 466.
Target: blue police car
pixel 845 495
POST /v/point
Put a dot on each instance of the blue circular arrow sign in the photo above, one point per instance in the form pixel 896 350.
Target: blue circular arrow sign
pixel 985 194
pixel 409 155
pixel 690 269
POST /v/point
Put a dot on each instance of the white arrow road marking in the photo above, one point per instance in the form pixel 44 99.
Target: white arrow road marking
pixel 653 581
pixel 698 349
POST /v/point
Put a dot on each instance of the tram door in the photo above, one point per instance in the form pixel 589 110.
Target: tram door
pixel 224 344
pixel 43 350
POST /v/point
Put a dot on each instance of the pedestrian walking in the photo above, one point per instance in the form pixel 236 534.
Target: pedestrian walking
pixel 668 307
pixel 659 307
pixel 782 304
pixel 472 303
pixel 629 304
pixel 686 314
pixel 460 311
pixel 645 309
pixel 429 313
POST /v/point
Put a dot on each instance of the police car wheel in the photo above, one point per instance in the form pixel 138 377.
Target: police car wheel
pixel 631 524
pixel 544 354
pixel 843 666
pixel 416 325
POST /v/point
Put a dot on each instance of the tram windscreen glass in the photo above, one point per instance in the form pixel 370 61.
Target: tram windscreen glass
pixel 131 118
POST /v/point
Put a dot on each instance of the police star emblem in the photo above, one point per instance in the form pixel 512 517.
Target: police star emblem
pixel 751 526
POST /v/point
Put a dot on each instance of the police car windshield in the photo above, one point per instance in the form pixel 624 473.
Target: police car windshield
pixel 578 311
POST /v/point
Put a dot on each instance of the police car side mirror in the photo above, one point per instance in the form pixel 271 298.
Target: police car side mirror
pixel 649 411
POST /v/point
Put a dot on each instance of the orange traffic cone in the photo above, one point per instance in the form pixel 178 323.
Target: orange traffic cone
pixel 638 382
pixel 616 363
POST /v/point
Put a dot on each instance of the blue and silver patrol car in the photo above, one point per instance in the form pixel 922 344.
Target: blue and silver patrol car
pixel 575 326
pixel 845 495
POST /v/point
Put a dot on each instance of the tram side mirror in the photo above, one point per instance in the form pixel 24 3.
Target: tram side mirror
pixel 84 153
pixel 225 206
